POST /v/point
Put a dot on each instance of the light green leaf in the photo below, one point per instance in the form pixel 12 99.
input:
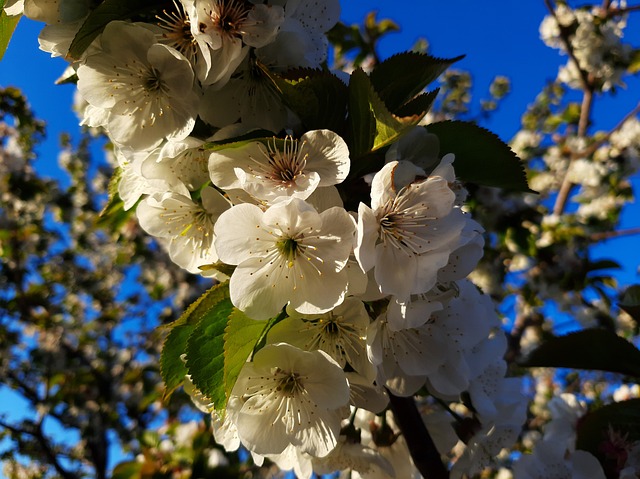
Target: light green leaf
pixel 371 125
pixel 319 98
pixel 630 302
pixel 481 157
pixel 113 215
pixel 105 12
pixel 240 338
pixel 401 77
pixel 172 367
pixel 591 349
pixel 205 353
pixel 7 27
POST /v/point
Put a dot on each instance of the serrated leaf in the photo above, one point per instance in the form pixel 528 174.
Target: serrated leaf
pixel 594 429
pixel 172 368
pixel 401 77
pixel 7 27
pixel 481 157
pixel 205 353
pixel 240 338
pixel 319 98
pixel 420 105
pixel 591 349
pixel 630 302
pixel 105 12
pixel 371 125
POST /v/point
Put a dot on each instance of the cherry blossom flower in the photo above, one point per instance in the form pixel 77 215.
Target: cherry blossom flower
pixel 286 167
pixel 289 253
pixel 289 397
pixel 146 89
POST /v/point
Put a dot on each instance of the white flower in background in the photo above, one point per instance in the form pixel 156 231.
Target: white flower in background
pixel 550 459
pixel 289 397
pixel 411 228
pixel 282 168
pixel 146 88
pixel 301 40
pixel 566 410
pixel 351 456
pixel 185 224
pixel 180 161
pixel 289 253
pixel 224 29
pixel 14 7
pixel 341 333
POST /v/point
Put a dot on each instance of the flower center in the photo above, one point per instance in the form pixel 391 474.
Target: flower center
pixel 286 165
pixel 289 384
pixel 152 82
pixel 176 28
pixel 229 18
pixel 289 249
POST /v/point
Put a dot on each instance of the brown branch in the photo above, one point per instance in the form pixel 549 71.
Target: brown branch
pixel 612 12
pixel 584 76
pixel 583 124
pixel 421 446
pixel 614 234
pixel 45 446
pixel 594 146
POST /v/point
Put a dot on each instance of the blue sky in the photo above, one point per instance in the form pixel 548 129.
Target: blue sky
pixel 498 38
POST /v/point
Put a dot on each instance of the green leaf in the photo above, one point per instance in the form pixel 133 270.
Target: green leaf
pixel 603 264
pixel 172 367
pixel 630 302
pixel 7 27
pixel 319 98
pixel 128 470
pixel 594 430
pixel 401 77
pixel 113 215
pixel 240 338
pixel 420 105
pixel 634 65
pixel 205 353
pixel 481 157
pixel 592 349
pixel 107 11
pixel 371 125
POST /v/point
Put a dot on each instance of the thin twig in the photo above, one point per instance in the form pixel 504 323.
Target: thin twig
pixel 614 234
pixel 597 144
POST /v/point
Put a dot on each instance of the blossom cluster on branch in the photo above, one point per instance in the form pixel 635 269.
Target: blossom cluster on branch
pixel 334 221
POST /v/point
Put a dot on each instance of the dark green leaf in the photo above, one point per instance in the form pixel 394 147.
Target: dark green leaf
pixel 603 264
pixel 172 366
pixel 371 125
pixel 205 353
pixel 420 105
pixel 7 27
pixel 481 157
pixel 401 77
pixel 240 337
pixel 107 11
pixel 596 430
pixel 592 349
pixel 630 302
pixel 319 98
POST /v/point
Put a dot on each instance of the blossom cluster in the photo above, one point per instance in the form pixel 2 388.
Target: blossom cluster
pixel 372 301
pixel 595 40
